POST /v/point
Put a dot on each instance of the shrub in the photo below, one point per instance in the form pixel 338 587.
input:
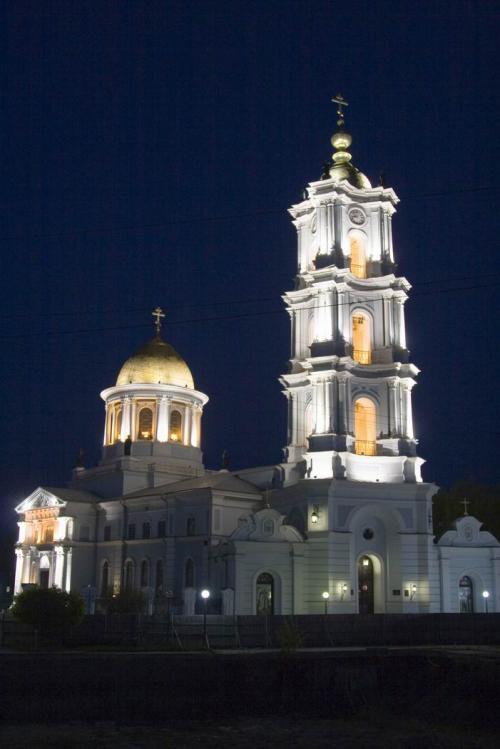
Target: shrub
pixel 48 609
pixel 289 637
pixel 127 602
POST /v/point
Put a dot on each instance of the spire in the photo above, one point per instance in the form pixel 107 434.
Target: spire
pixel 341 140
pixel 158 313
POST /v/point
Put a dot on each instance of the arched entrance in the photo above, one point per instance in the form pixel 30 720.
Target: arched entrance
pixel 44 573
pixel 264 594
pixel 366 586
pixel 465 595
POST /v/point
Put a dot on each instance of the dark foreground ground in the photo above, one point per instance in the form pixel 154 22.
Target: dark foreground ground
pixel 371 730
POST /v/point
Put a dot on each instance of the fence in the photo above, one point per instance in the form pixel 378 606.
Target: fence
pixel 228 632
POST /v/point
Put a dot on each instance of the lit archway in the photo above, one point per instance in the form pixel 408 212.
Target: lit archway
pixel 466 595
pixel 175 426
pixel 365 427
pixel 361 338
pixel 145 427
pixel 264 594
pixel 358 255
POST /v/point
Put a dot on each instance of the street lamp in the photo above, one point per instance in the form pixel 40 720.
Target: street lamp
pixel 486 595
pixel 325 596
pixel 205 594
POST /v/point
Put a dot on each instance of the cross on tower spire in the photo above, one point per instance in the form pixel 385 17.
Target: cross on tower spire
pixel 158 313
pixel 465 502
pixel 340 102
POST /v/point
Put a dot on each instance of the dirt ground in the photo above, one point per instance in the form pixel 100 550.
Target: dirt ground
pixel 374 732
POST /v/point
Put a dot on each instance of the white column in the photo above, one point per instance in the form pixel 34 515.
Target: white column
pixel 67 569
pixel 195 426
pixel 163 419
pixel 126 430
pixel 19 571
pixel 105 436
pixel 392 421
pixel 59 567
pixel 399 324
pixel 323 321
pixel 186 437
pixel 342 406
pixel 408 410
pixel 326 407
pixel 320 408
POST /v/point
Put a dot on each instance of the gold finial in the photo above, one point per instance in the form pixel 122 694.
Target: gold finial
pixel 340 102
pixel 465 502
pixel 158 313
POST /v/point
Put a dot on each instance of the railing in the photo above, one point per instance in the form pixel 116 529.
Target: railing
pixel 365 447
pixel 363 357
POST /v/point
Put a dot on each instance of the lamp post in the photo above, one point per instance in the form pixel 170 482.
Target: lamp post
pixel 205 594
pixel 325 596
pixel 486 595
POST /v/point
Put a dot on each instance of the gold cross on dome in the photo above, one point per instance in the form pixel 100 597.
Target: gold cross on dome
pixel 340 102
pixel 465 502
pixel 158 313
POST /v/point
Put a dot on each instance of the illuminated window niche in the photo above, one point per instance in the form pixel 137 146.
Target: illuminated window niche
pixel 113 423
pixel 365 427
pixel 144 422
pixel 117 425
pixel 361 338
pixel 358 254
pixel 175 426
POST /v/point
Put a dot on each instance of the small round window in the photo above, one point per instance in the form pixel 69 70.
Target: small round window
pixel 368 534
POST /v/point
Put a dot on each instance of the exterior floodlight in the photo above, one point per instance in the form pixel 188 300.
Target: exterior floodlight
pixel 315 514
pixel 486 595
pixel 325 596
pixel 205 594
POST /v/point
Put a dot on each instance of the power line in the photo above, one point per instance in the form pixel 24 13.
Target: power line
pixel 226 303
pixel 200 219
pixel 259 313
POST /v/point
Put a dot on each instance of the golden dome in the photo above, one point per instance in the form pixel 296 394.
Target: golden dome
pixel 156 362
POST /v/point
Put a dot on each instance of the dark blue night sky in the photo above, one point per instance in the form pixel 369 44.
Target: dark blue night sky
pixel 149 153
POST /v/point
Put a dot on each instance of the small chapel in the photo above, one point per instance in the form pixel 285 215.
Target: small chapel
pixel 343 524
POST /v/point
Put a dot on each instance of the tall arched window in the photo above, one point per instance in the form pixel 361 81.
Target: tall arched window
pixel 104 578
pixel 144 573
pixel 176 426
pixel 189 574
pixel 358 255
pixel 361 338
pixel 128 575
pixel 264 594
pixel 365 427
pixel 118 424
pixel 145 428
pixel 466 595
pixel 159 575
pixel 190 526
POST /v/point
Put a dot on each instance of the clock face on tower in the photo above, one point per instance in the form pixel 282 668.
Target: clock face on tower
pixel 356 216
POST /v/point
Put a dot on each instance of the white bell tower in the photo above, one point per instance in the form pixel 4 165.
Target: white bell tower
pixel 350 379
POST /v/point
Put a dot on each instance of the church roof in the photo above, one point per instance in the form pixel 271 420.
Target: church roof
pixel 71 495
pixel 217 480
pixel 156 362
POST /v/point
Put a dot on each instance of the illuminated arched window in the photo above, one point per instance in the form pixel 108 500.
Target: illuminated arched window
pixel 361 338
pixel 189 574
pixel 365 427
pixel 145 428
pixel 48 534
pixel 358 255
pixel 117 425
pixel 176 426
pixel 144 573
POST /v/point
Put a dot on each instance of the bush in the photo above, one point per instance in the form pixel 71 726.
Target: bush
pixel 48 609
pixel 289 637
pixel 127 602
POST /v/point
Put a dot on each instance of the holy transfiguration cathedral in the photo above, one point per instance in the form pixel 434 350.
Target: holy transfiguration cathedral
pixel 345 519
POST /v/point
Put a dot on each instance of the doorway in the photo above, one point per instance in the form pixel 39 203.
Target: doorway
pixel 44 578
pixel 366 592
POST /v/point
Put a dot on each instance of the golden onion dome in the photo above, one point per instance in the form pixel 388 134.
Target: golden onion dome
pixel 341 167
pixel 156 362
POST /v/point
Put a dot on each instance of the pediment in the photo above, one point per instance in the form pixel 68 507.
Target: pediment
pixel 265 525
pixel 40 499
pixel 467 532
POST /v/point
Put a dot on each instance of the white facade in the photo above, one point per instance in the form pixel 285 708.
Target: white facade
pixel 346 514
